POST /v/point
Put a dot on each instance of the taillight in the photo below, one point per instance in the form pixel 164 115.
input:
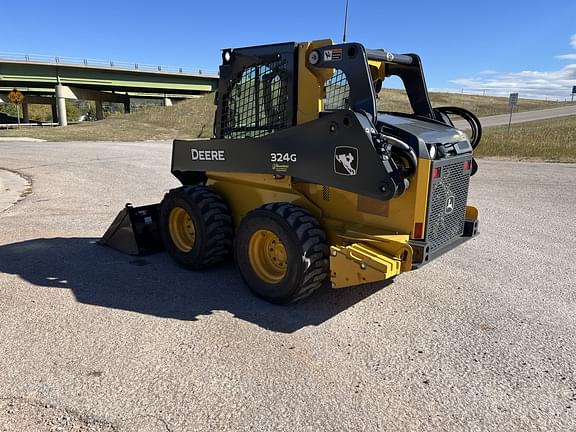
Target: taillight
pixel 437 172
pixel 467 165
pixel 418 230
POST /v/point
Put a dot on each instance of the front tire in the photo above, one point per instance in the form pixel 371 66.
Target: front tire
pixel 281 252
pixel 196 226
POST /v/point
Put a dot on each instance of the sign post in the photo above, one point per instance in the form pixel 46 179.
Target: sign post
pixel 573 92
pixel 16 98
pixel 513 103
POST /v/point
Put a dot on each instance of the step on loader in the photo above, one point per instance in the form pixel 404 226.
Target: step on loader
pixel 305 182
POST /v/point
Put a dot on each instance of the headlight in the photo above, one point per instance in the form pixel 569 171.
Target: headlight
pixel 432 150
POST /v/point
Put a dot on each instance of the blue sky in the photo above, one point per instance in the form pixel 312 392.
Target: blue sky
pixel 499 46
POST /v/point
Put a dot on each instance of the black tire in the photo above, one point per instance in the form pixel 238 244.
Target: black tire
pixel 212 223
pixel 305 245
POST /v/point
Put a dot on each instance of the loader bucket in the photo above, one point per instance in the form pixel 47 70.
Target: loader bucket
pixel 135 231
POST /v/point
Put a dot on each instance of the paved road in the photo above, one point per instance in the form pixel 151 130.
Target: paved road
pixel 522 117
pixel 482 339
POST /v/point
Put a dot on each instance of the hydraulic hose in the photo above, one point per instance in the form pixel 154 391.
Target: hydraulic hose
pixel 472 120
pixel 404 161
pixel 405 152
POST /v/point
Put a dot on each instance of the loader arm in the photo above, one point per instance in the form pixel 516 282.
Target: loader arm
pixel 309 152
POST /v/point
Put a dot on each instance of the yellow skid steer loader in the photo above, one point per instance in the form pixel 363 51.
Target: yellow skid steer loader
pixel 306 182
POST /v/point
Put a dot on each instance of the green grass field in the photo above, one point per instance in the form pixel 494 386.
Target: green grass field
pixel 548 140
pixel 552 139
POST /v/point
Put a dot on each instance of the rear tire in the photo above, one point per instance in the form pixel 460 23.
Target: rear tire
pixel 281 252
pixel 196 226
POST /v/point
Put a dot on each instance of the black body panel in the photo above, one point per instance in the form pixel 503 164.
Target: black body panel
pixel 419 131
pixel 353 62
pixel 312 152
pixel 423 255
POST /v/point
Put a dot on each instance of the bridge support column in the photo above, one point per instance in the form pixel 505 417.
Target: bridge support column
pixel 127 107
pixel 167 101
pixel 61 103
pixel 25 113
pixel 99 110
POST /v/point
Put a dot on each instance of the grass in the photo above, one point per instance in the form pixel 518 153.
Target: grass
pixel 193 119
pixel 396 100
pixel 552 139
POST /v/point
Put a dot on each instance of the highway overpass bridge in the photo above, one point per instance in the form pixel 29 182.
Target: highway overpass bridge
pixel 53 80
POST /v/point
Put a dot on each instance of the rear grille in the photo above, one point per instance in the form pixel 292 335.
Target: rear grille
pixel 447 205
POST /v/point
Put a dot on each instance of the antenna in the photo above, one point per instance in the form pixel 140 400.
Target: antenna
pixel 345 22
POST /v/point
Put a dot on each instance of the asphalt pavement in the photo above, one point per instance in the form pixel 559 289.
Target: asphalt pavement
pixel 481 339
pixel 521 117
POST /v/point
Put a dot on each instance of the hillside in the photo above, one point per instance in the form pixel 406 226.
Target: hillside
pixel 396 100
pixel 193 118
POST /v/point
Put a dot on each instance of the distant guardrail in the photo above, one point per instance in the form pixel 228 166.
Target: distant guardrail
pixel 106 64
pixel 27 125
pixel 502 93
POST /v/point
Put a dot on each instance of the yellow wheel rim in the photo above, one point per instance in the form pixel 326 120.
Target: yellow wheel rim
pixel 268 256
pixel 182 229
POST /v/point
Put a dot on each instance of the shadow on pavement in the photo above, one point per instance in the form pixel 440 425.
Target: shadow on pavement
pixel 156 286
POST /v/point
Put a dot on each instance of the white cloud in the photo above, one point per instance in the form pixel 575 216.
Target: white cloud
pixel 532 84
pixel 571 56
pixel 566 57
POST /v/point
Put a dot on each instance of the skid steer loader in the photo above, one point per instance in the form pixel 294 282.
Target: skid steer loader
pixel 306 182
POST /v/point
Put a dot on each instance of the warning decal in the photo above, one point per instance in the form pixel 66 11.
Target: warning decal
pixel 333 54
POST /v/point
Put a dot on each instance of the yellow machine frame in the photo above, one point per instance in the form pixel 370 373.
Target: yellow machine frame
pixel 369 238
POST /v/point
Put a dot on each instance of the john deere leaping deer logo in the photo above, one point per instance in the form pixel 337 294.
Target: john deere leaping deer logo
pixel 450 203
pixel 346 160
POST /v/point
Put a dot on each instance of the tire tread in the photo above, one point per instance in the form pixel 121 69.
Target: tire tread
pixel 217 222
pixel 312 238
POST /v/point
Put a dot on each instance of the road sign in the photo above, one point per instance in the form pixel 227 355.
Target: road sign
pixel 574 90
pixel 513 103
pixel 15 96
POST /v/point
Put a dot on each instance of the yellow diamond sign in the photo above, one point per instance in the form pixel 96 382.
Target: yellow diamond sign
pixel 15 96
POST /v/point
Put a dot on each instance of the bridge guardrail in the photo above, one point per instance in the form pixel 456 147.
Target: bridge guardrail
pixel 106 64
